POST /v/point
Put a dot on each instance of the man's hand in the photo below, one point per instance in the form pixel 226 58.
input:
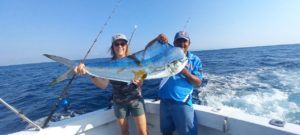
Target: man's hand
pixel 190 77
pixel 162 38
pixel 184 71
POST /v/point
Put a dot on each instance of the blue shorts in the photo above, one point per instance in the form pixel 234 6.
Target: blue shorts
pixel 177 116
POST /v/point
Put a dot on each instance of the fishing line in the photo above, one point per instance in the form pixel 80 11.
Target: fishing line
pixel 186 23
pixel 66 88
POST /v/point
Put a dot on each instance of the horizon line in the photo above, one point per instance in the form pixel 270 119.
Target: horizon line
pixel 270 45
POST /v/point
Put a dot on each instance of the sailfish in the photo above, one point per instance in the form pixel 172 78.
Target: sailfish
pixel 158 60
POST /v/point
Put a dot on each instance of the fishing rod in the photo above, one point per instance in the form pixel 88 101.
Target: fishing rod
pixel 66 88
pixel 135 27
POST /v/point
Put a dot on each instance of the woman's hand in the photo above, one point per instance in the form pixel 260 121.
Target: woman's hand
pixel 80 69
pixel 138 83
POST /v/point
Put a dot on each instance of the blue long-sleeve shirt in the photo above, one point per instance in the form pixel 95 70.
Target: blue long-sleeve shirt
pixel 177 87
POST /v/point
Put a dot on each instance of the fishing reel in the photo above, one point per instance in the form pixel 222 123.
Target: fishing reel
pixel 65 104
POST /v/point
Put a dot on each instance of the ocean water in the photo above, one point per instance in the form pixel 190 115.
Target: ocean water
pixel 263 81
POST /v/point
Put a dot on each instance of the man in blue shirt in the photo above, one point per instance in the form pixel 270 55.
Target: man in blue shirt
pixel 176 111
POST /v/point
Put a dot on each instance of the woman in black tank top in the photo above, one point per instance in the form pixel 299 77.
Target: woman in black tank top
pixel 124 93
pixel 127 97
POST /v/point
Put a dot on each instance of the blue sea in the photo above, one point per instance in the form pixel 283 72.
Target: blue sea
pixel 263 81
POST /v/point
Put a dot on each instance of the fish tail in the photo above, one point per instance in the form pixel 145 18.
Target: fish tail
pixel 61 60
pixel 69 73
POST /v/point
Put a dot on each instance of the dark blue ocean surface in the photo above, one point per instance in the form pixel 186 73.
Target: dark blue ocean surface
pixel 259 80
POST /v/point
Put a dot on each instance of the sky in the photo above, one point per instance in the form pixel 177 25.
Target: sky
pixel 67 28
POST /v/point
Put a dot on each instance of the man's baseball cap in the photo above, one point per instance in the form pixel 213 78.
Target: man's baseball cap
pixel 182 34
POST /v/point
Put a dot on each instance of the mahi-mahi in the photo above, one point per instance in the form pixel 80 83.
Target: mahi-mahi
pixel 158 60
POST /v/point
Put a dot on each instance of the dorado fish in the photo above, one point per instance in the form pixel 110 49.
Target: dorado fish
pixel 156 61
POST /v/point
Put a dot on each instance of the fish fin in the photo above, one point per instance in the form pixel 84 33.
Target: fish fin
pixel 135 59
pixel 150 44
pixel 146 54
pixel 157 45
pixel 140 75
pixel 65 62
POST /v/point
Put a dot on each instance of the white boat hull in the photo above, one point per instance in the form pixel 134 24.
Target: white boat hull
pixel 210 122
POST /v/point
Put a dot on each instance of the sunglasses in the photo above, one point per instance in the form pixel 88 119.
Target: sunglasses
pixel 122 44
pixel 179 42
pixel 178 45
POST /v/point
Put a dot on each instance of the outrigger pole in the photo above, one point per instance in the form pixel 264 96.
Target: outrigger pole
pixel 21 115
pixel 66 88
pixel 186 23
pixel 135 27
